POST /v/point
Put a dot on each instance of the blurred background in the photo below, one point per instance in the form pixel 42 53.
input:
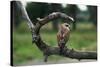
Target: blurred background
pixel 83 31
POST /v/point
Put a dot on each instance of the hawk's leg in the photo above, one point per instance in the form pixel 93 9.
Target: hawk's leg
pixel 61 46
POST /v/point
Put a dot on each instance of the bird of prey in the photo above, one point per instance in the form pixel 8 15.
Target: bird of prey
pixel 63 35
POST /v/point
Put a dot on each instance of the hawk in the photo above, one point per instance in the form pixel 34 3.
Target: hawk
pixel 63 35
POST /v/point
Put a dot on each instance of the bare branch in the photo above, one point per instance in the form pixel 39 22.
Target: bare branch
pixel 48 50
pixel 55 15
pixel 74 54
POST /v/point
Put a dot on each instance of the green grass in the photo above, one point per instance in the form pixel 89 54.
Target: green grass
pixel 24 49
pixel 83 39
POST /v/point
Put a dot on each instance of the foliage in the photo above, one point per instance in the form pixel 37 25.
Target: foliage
pixel 36 10
pixel 93 14
pixel 23 28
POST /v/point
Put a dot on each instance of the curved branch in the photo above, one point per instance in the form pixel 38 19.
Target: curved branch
pixel 74 54
pixel 48 50
pixel 53 16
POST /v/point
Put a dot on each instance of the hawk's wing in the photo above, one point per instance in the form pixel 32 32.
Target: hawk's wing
pixel 66 36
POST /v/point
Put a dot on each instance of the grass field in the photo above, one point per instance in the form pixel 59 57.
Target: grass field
pixel 82 39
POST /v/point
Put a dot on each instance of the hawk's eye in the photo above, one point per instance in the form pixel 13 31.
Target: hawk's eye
pixel 66 25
